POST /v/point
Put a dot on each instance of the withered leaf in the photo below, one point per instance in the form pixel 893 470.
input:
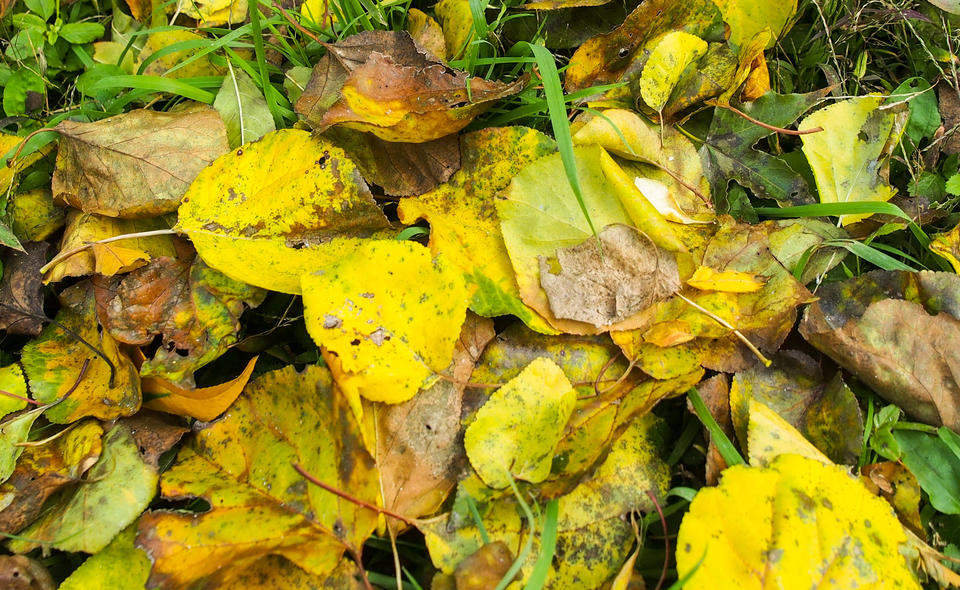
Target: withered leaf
pixel 898 332
pixel 138 164
pixel 18 572
pixel 608 282
pixel 20 289
pixel 154 433
pixel 384 83
pixel 400 169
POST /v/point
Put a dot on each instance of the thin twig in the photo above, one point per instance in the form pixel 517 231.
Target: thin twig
pixel 67 254
pixel 666 540
pixel 352 499
pixel 737 111
pixel 296 25
pixel 49 439
pixel 766 362
pixel 19 397
pixel 16 155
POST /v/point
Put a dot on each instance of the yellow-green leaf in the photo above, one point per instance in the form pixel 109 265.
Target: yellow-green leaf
pixel 118 566
pixel 794 524
pixel 669 57
pixel 515 432
pixel 275 209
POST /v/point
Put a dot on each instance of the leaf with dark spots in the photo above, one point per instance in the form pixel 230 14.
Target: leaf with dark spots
pixel 154 433
pixel 18 572
pixel 137 164
pixel 384 83
pixel 192 307
pixel 896 331
pixel 43 470
pixel 20 289
pixel 400 169
pixel 730 147
pixel 243 465
pixel 607 282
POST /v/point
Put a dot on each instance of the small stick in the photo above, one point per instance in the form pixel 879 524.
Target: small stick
pixel 352 499
pixel 765 125
pixel 64 255
pixel 766 362
pixel 666 539
pixel 19 397
pixel 13 159
pixel 297 25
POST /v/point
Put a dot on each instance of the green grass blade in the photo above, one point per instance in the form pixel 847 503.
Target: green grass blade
pixel 548 546
pixel 837 209
pixel 258 50
pixel 557 109
pixel 871 255
pixel 156 84
pixel 729 452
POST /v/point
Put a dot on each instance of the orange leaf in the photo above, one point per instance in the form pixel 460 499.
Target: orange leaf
pixel 204 404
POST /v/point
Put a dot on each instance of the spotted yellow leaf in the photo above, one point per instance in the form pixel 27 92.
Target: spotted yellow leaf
pixel 729 281
pixel 669 57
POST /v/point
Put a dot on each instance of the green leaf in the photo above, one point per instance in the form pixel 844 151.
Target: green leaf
pixel 8 239
pixel 26 21
pixel 119 566
pixel 953 185
pixel 935 465
pixel 45 8
pixel 243 109
pixel 20 88
pixel 924 116
pixel 79 33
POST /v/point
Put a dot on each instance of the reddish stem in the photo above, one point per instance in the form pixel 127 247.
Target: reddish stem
pixel 766 125
pixel 352 499
pixel 19 397
pixel 666 540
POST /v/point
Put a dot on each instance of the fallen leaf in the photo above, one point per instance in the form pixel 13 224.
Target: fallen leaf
pixel 665 65
pixel 729 281
pixel 211 13
pixel 947 245
pixel 401 169
pixel 194 309
pixel 484 568
pixel 464 226
pixel 848 156
pixel 419 454
pixel 768 436
pixel 154 434
pixel 899 487
pixel 138 164
pixel 259 504
pixel 33 215
pixel 273 572
pixel 514 434
pixel 368 311
pixel 730 148
pixel 243 109
pixel 54 364
pixel 113 257
pixel 275 209
pixel 204 403
pixel 161 61
pixel 607 282
pixel 9 169
pixel 792 522
pixel 877 327
pixel 120 566
pixel 14 431
pixel 116 490
pixel 43 470
pixel 561 4
pixel 21 289
pixel 384 83
pixel 541 215
pixel 426 32
pixel 456 22
pixel 746 19
pixel 18 572
pixel 796 241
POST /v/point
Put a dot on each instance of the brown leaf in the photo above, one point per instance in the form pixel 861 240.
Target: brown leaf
pixel 419 453
pixel 384 83
pixel 898 332
pixel 950 111
pixel 18 572
pixel 603 287
pixel 21 287
pixel 140 9
pixel 485 568
pixel 401 169
pixel 154 433
pixel 138 164
pixel 426 33
pixel 715 392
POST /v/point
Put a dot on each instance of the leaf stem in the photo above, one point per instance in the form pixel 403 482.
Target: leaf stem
pixel 64 255
pixel 352 499
pixel 766 362
pixel 737 111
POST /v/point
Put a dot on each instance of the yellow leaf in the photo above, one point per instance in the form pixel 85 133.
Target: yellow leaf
pixel 7 171
pixel 389 316
pixel 12 381
pixel 275 209
pixel 515 432
pixel 669 57
pixel 746 18
pixel 201 66
pixel 947 244
pixel 463 218
pixel 729 281
pixel 211 13
pixel 456 20
pixel 34 216
pixel 204 404
pixel 666 204
pixel 794 524
pixel 847 157
pixel 426 32
pixel 769 436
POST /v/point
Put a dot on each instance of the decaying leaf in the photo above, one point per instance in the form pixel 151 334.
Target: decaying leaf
pixel 18 572
pixel 463 219
pixel 119 565
pixel 456 22
pixel 205 403
pixel 138 164
pixel 665 65
pixel 242 464
pixel 514 434
pixel 426 32
pixel 796 522
pixel 213 12
pixel 34 216
pixel 848 156
pixel 384 83
pixel 419 454
pixel 20 289
pixel 746 18
pixel 273 572
pixel 117 489
pixel 730 281
pixel 243 109
pixel 607 282
pixel 113 257
pixel 43 470
pixel 894 330
pixel 825 411
pixel 387 317
pixel 273 210
pixel 193 308
pixel 58 363
pixel 401 169
pixel 484 568
pixel 799 245
pixel 894 482
pixel 947 245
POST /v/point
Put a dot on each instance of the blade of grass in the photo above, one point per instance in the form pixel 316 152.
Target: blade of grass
pixel 548 546
pixel 729 452
pixel 179 87
pixel 871 255
pixel 558 120
pixel 837 209
pixel 256 31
